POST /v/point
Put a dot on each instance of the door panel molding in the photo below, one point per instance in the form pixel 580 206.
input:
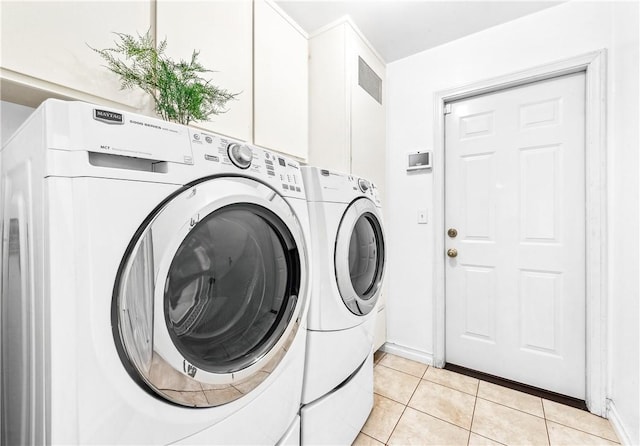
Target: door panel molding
pixel 593 64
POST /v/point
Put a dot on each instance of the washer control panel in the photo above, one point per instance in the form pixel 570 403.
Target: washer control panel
pixel 229 155
pixel 240 155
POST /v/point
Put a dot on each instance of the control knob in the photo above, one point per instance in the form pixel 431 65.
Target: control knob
pixel 363 184
pixel 240 155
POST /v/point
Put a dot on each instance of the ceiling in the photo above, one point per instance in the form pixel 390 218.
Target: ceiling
pixel 398 29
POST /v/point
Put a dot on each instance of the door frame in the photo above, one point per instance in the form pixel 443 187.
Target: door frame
pixel 593 64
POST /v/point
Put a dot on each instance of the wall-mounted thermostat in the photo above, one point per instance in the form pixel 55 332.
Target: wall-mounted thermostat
pixel 421 159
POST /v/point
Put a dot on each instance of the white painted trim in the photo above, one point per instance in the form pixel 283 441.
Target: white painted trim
pixel 328 27
pixel 594 66
pixel 408 353
pixel 273 5
pixel 346 20
pixel 31 91
pixel 616 423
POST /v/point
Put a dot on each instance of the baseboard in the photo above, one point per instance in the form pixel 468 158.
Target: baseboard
pixel 408 353
pixel 616 423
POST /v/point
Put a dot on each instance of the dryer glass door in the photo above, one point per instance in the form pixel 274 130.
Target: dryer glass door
pixel 359 256
pixel 212 291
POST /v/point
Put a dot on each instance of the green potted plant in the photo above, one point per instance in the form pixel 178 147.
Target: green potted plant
pixel 179 91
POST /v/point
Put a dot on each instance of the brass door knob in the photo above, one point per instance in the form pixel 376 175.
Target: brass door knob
pixel 452 252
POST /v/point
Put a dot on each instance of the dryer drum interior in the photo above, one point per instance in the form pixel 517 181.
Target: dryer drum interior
pixel 229 296
pixel 366 255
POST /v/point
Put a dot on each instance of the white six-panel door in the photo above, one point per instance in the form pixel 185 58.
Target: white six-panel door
pixel 515 194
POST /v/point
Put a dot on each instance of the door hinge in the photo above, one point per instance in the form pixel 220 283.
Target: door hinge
pixel 447 109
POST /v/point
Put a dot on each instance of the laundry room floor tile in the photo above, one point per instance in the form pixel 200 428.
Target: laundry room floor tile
pixel 445 403
pixel 578 419
pixel 404 365
pixel 365 440
pixel 398 386
pixel 447 408
pixel 511 398
pixel 383 418
pixel 560 435
pixel 454 380
pixel 417 428
pixel 508 426
pixel 479 440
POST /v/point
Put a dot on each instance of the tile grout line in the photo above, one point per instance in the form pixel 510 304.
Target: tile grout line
pixel 403 410
pixel 402 371
pixel 395 425
pixel 422 411
pixel 573 427
pixel 514 408
pixel 449 387
pixel 438 418
pixel 473 414
pixel 546 425
pixel 367 435
pixel 490 439
pixel 389 398
pixel 582 430
pixel 396 370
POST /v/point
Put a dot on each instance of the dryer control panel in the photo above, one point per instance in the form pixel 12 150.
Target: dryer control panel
pixel 326 185
pixel 365 187
pixel 227 155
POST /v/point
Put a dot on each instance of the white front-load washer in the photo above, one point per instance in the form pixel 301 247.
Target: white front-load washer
pixel 155 283
pixel 349 257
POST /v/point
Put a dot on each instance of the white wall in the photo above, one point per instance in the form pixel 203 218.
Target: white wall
pixel 557 33
pixel 11 117
pixel 624 269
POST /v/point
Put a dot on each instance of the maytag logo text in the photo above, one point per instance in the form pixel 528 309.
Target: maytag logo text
pixel 107 116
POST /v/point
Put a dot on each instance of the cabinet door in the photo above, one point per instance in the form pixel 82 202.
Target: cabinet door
pixel 281 82
pixel 221 31
pixel 368 135
pixel 44 45
pixel 329 139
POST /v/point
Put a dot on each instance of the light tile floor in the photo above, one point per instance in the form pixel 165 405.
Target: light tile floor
pixel 419 405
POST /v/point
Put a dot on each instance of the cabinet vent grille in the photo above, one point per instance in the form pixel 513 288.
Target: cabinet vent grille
pixel 369 80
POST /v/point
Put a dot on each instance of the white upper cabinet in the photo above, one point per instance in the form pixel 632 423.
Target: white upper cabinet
pixel 252 47
pixel 368 125
pixel 281 72
pixel 329 104
pixel 222 32
pixel 346 103
pixel 45 46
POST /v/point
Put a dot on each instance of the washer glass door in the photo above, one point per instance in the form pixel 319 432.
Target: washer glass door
pixel 211 294
pixel 228 290
pixel 359 256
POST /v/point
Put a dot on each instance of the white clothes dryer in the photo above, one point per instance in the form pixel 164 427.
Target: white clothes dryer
pixel 155 283
pixel 349 257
